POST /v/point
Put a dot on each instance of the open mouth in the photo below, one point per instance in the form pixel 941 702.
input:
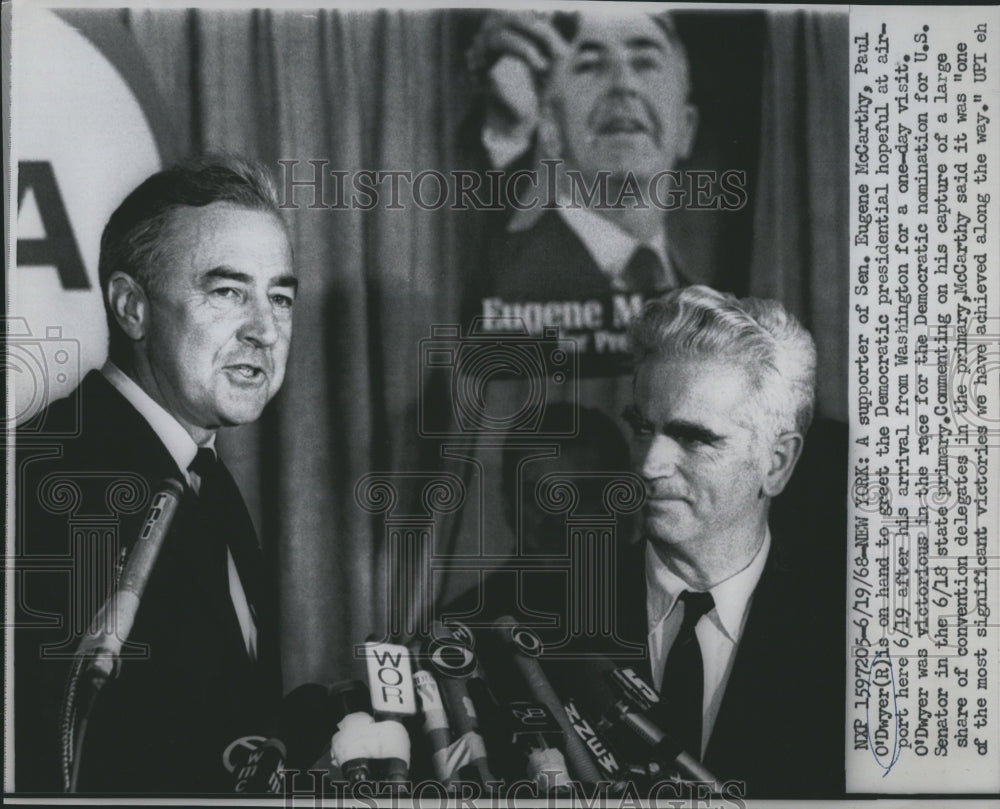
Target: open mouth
pixel 251 373
pixel 622 125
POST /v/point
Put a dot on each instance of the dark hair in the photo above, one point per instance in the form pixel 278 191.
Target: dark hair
pixel 567 23
pixel 597 432
pixel 133 239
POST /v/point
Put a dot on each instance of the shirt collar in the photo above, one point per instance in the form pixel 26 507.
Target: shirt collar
pixel 610 246
pixel 175 438
pixel 732 596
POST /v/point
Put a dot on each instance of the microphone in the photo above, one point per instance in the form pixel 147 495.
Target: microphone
pixel 390 686
pixel 454 630
pixel 453 663
pixel 302 728
pixel 596 695
pixel 112 624
pixel 538 737
pixel 493 725
pixel 600 750
pixel 352 747
pixel 524 646
pixel 360 739
pixel 436 728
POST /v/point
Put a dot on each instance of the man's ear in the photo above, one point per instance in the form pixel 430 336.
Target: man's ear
pixel 129 304
pixel 687 129
pixel 784 454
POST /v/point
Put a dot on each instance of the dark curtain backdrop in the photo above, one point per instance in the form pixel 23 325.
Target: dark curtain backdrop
pixel 386 90
pixel 800 253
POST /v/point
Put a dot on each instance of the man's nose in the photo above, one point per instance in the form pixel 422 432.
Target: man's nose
pixel 260 326
pixel 623 75
pixel 660 458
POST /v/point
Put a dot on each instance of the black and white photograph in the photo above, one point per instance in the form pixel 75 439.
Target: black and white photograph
pixel 565 403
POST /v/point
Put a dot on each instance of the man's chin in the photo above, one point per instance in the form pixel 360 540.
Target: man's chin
pixel 246 411
pixel 665 531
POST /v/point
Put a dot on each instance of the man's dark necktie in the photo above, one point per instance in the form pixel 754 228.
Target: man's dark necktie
pixel 644 271
pixel 222 509
pixel 682 688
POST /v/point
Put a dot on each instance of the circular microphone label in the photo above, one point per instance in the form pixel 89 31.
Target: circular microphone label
pixel 451 659
pixel 462 633
pixel 527 640
pixel 236 755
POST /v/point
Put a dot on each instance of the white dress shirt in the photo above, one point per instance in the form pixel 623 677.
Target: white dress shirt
pixel 718 632
pixel 612 247
pixel 183 449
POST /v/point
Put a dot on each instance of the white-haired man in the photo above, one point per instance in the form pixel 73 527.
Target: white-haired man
pixel 745 650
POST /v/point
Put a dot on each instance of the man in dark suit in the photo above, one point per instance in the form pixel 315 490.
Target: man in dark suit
pixel 608 98
pixel 196 272
pixel 744 634
pixel 598 106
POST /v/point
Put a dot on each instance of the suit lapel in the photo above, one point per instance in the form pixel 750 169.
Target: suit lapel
pixel 757 667
pixel 125 436
pixel 243 540
pixel 133 444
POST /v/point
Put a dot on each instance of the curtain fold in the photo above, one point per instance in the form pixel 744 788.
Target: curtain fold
pixel 800 251
pixel 316 85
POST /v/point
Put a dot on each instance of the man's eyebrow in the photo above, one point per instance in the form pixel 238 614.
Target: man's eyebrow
pixel 645 42
pixel 591 46
pixel 227 274
pixel 285 281
pixel 691 429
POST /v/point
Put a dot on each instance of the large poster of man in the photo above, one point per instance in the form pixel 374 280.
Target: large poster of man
pixel 457 403
pixel 621 174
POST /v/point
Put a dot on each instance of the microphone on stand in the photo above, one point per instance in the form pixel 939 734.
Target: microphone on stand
pixel 436 727
pixel 523 646
pixel 390 686
pixel 354 745
pixel 303 726
pixel 100 648
pixel 360 741
pixel 98 655
pixel 452 663
pixel 539 739
pixel 491 718
pixel 619 697
pixel 600 749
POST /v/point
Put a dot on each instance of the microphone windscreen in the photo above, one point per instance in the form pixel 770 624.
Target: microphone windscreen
pixel 394 740
pixel 305 722
pixel 357 737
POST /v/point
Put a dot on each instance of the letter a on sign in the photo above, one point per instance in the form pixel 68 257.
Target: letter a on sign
pixel 58 248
